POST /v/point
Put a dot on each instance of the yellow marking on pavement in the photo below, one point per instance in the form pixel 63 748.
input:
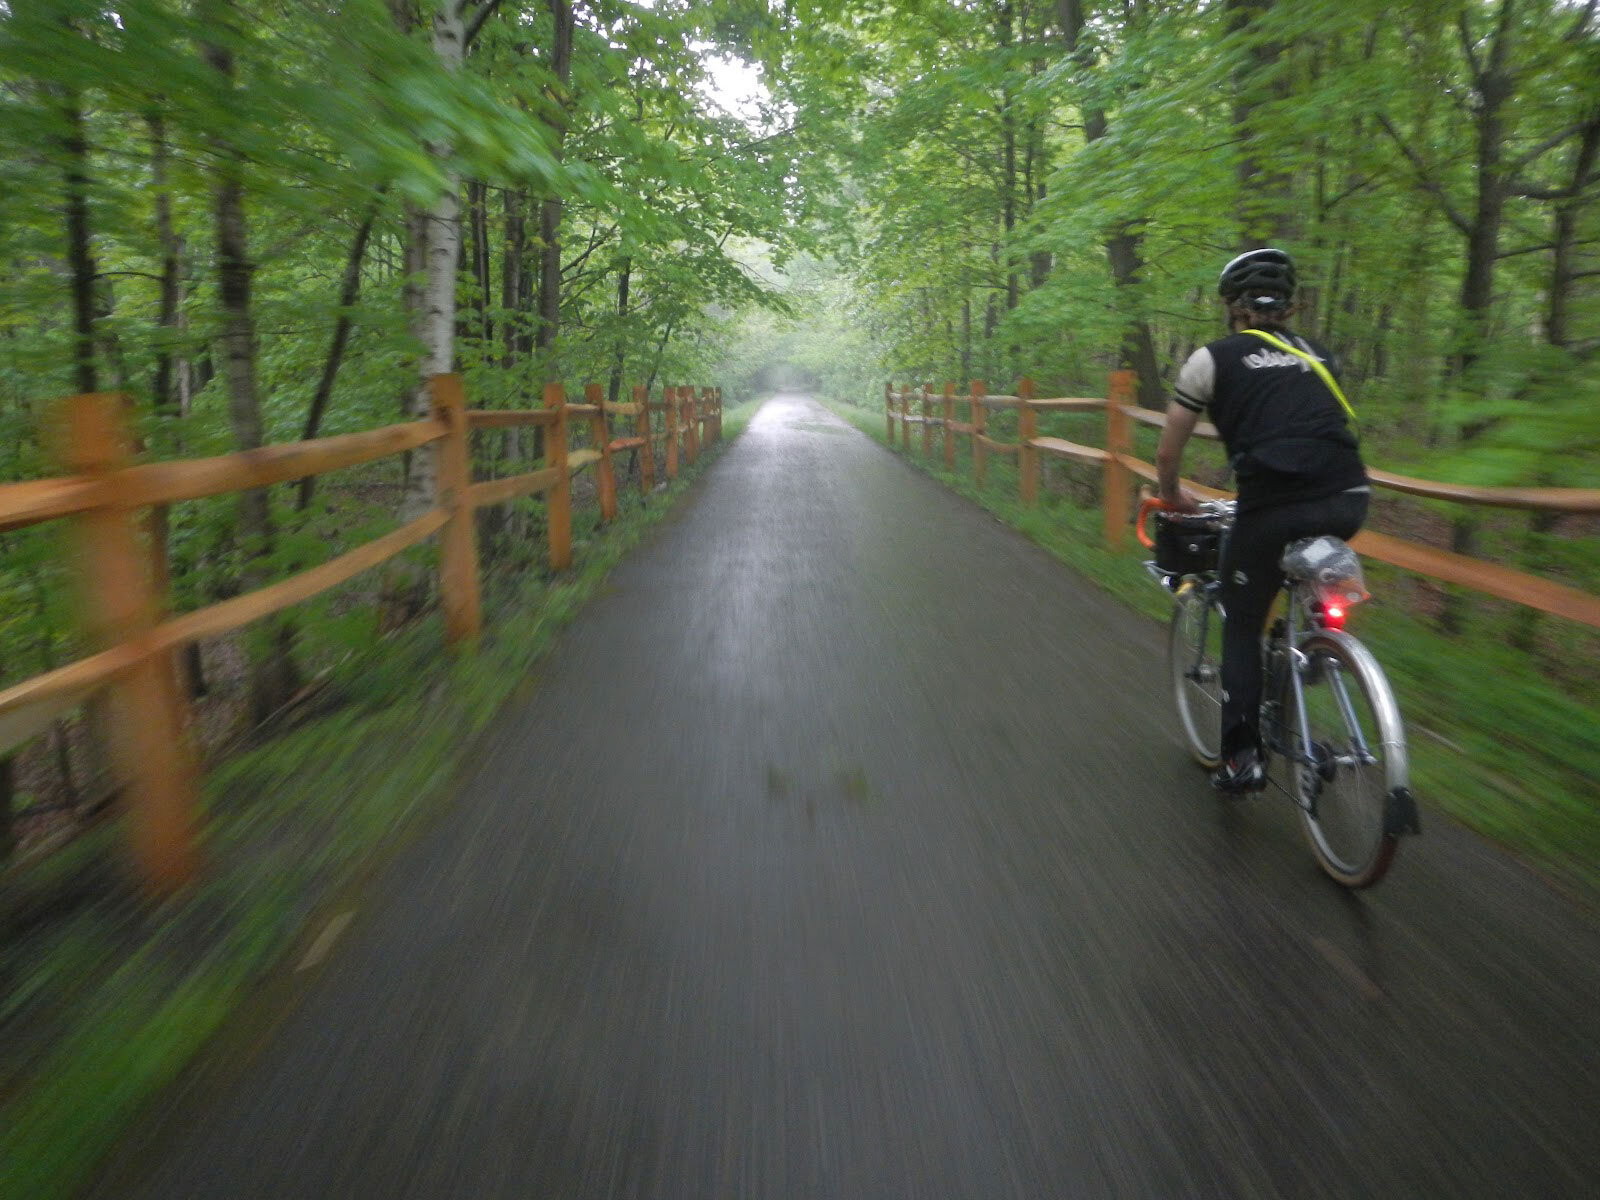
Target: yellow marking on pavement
pixel 325 940
pixel 1342 963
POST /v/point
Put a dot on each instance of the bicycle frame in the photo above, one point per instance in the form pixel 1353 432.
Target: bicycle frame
pixel 1346 739
pixel 1294 630
pixel 1293 687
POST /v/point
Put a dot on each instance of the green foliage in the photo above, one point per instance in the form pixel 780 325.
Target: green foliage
pixel 987 169
pixel 335 116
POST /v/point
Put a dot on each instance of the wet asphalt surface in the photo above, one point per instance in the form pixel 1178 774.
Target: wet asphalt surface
pixel 844 849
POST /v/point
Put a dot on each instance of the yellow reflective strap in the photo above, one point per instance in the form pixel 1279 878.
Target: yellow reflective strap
pixel 1322 371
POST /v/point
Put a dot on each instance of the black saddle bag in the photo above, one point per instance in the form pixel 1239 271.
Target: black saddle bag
pixel 1187 543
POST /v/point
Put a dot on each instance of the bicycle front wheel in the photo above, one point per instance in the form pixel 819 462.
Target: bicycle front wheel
pixel 1353 780
pixel 1194 654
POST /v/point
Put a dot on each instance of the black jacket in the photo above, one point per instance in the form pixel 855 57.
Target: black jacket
pixel 1288 437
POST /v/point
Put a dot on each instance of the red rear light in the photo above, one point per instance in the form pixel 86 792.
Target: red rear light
pixel 1333 617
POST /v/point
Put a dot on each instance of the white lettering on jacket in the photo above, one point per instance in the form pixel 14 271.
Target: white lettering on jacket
pixel 1274 358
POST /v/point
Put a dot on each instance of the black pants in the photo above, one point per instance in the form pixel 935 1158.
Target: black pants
pixel 1251 578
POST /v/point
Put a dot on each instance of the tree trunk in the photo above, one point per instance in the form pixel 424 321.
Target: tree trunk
pixel 614 385
pixel 349 291
pixel 81 262
pixel 1123 241
pixel 161 384
pixel 1138 351
pixel 1008 171
pixel 80 253
pixel 550 208
pixel 413 292
pixel 475 264
pixel 1034 174
pixel 511 270
pixel 966 340
pixel 1564 236
pixel 444 235
pixel 1266 195
pixel 440 252
pixel 1483 239
pixel 1563 274
pixel 1494 86
pixel 273 674
pixel 1379 343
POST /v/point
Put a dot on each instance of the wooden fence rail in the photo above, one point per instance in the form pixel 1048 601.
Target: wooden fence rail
pixel 105 490
pixel 1120 468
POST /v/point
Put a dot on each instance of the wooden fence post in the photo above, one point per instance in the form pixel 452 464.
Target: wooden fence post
pixel 719 414
pixel 927 422
pixel 1118 444
pixel 149 741
pixel 458 544
pixel 888 413
pixel 980 422
pixel 905 412
pixel 1027 456
pixel 600 432
pixel 558 500
pixel 949 419
pixel 669 405
pixel 647 452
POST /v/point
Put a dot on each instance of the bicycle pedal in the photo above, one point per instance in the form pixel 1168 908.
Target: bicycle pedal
pixel 1250 777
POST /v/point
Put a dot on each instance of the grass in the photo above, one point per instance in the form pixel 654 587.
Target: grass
pixel 108 998
pixel 1493 742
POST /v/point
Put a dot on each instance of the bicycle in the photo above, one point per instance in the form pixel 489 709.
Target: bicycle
pixel 1327 709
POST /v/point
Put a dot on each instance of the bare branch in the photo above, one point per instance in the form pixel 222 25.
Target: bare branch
pixel 1521 250
pixel 1427 183
pixel 1570 192
pixel 1500 48
pixel 1580 23
pixel 1466 46
pixel 129 274
pixel 596 240
pixel 476 23
pixel 1361 185
pixel 1549 144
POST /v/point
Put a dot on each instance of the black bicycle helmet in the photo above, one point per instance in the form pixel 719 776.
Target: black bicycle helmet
pixel 1267 270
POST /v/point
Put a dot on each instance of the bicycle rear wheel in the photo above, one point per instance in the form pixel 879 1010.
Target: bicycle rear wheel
pixel 1194 655
pixel 1354 793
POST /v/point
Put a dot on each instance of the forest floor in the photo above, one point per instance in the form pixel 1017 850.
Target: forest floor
pixel 104 998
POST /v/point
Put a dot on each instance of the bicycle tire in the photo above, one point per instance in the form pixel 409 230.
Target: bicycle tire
pixel 1196 672
pixel 1358 807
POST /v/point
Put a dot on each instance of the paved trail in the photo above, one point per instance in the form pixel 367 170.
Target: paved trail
pixel 843 851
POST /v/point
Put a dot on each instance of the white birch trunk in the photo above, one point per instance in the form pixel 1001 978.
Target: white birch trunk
pixel 443 246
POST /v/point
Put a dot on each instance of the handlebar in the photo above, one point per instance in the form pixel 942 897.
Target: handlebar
pixel 1151 504
pixel 1210 508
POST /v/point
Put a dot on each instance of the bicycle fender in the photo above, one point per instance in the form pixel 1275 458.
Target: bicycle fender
pixel 1388 711
pixel 1400 813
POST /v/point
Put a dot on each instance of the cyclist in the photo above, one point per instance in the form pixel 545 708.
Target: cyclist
pixel 1292 448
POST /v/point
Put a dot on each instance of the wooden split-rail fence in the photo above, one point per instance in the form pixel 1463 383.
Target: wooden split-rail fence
pixel 931 410
pixel 121 584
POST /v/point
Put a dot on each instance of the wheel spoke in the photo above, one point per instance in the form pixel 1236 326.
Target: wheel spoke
pixel 1194 652
pixel 1344 782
